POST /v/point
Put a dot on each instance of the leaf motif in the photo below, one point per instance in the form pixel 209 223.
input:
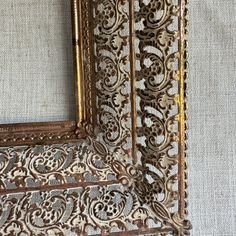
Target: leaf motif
pixel 100 148
pixel 161 210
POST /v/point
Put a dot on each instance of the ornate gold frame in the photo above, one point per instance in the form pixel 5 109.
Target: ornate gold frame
pixel 130 131
pixel 64 131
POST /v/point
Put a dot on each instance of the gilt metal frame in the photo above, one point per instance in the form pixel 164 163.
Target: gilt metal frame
pixel 62 131
pixel 128 142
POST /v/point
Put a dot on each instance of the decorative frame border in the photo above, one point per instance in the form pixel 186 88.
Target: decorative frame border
pixel 133 162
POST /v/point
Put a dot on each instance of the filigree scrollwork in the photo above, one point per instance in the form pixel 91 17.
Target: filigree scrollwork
pixel 110 19
pixel 160 78
pixel 32 167
pixel 85 211
pixel 127 177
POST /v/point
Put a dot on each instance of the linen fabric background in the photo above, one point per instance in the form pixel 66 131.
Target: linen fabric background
pixel 36 66
pixel 212 117
pixel 37 85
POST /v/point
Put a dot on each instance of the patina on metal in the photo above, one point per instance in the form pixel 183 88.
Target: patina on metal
pixel 126 174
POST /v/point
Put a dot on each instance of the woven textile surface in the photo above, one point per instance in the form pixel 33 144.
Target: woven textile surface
pixel 36 76
pixel 212 117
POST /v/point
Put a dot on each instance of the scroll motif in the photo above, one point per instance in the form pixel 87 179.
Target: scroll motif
pixel 40 166
pixel 128 176
pixel 111 54
pixel 81 211
pixel 160 40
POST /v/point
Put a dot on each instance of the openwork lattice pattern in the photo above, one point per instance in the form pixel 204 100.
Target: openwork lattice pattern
pixel 160 73
pixel 112 72
pixel 81 211
pixel 128 176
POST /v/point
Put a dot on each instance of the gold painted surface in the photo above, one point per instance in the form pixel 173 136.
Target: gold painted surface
pixel 126 175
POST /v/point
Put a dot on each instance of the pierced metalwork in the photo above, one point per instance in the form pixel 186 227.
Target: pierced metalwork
pixel 125 171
